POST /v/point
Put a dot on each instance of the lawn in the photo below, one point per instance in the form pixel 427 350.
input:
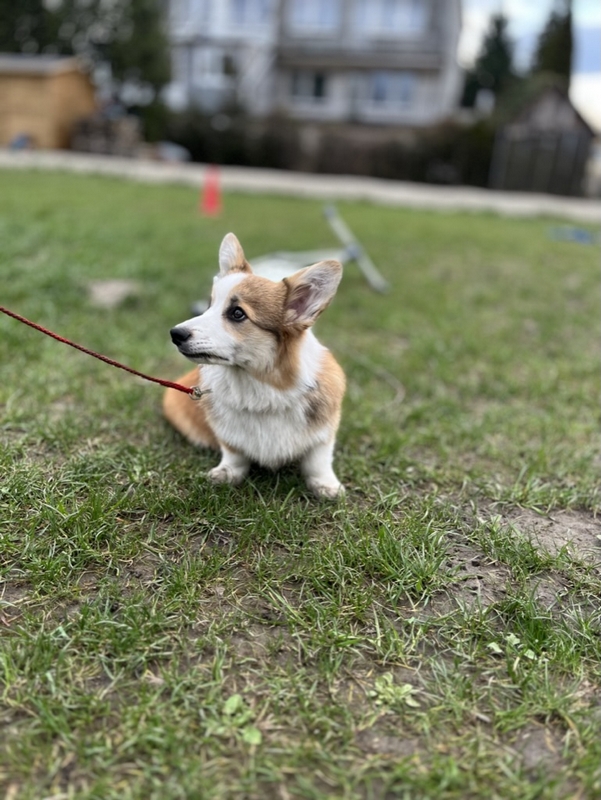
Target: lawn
pixel 433 635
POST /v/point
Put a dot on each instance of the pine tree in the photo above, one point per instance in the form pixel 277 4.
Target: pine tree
pixel 554 51
pixel 493 69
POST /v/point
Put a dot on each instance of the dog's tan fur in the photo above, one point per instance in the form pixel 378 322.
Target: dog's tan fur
pixel 187 415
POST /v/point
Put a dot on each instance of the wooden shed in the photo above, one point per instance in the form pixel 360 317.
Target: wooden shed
pixel 41 97
pixel 544 149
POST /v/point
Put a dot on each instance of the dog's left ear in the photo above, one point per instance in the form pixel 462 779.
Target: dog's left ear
pixel 231 256
pixel 310 291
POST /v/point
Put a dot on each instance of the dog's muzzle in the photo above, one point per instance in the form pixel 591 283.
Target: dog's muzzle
pixel 182 339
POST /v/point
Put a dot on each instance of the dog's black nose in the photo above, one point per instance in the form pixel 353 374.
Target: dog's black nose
pixel 179 335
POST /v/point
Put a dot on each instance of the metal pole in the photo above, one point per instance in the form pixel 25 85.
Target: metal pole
pixel 355 251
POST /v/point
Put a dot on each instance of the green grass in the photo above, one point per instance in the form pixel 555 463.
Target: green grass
pixel 163 638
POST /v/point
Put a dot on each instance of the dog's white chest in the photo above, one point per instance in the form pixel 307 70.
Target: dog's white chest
pixel 268 425
pixel 271 439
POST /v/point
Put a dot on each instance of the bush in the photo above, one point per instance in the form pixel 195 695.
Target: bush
pixel 448 153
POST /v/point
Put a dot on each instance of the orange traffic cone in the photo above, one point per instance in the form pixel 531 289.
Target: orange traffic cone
pixel 210 200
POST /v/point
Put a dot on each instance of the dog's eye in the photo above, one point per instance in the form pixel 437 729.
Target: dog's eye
pixel 237 314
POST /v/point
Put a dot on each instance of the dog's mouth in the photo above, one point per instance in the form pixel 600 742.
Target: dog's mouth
pixel 203 357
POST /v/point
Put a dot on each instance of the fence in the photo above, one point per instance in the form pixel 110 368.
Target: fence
pixel 538 161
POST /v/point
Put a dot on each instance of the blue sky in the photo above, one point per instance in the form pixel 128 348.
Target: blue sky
pixel 526 20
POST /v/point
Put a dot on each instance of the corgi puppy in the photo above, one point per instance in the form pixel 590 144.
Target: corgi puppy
pixel 273 392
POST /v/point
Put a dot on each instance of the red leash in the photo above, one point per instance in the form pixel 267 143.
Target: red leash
pixel 195 391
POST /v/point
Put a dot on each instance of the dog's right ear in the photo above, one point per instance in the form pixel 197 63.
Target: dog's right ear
pixel 310 291
pixel 231 256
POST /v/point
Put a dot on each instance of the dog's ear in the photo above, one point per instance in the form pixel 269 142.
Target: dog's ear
pixel 310 291
pixel 231 256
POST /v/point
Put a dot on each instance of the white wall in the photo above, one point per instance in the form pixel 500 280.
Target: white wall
pixel 210 26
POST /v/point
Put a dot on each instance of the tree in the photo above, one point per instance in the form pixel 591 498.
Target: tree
pixel 28 26
pixel 140 51
pixel 493 69
pixel 554 50
pixel 127 34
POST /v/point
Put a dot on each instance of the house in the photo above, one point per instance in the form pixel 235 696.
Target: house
pixel 387 62
pixel 544 149
pixel 40 99
pixel 223 54
pixel 369 61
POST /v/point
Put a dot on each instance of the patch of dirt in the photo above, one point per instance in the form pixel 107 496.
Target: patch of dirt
pixel 13 596
pixel 375 742
pixel 478 581
pixel 579 531
pixel 539 748
pixel 482 581
pixel 141 572
pixel 258 642
pixel 112 293
pixel 547 590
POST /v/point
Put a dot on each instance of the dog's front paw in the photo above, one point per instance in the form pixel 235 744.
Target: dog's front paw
pixel 221 474
pixel 326 490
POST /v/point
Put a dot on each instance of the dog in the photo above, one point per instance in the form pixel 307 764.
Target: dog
pixel 273 392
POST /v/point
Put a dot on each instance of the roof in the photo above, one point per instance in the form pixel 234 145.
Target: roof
pixel 18 64
pixel 551 109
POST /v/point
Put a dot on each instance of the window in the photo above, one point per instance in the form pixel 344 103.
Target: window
pixel 229 66
pixel 209 64
pixel 315 14
pixel 310 86
pixel 391 89
pixel 249 12
pixel 390 17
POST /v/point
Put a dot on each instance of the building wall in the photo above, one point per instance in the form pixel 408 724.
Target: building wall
pixel 376 68
pixel 43 106
pixel 404 74
pixel 448 19
pixel 223 53
pixel 361 25
pixel 24 109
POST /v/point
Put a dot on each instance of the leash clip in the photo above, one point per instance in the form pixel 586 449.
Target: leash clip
pixel 197 392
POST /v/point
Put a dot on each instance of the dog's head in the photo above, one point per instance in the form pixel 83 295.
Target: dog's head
pixel 251 318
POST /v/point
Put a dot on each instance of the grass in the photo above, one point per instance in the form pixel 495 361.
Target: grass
pixel 163 638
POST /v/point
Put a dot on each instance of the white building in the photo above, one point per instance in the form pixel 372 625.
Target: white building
pixel 369 61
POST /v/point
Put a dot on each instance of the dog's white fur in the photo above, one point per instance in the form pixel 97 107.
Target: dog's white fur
pixel 273 391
